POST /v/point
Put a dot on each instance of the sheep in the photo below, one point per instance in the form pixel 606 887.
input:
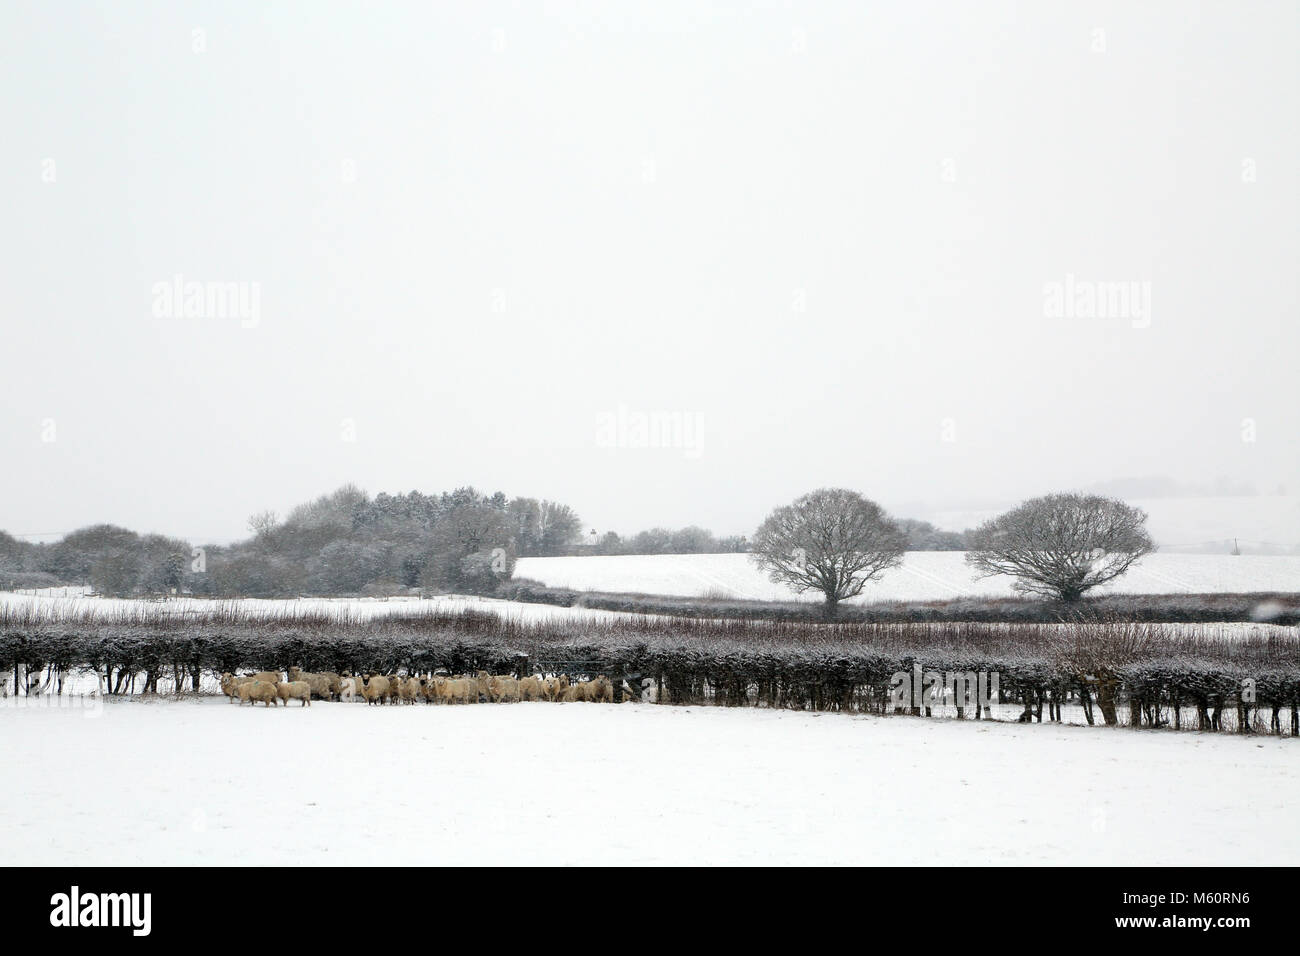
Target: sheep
pixel 269 677
pixel 256 690
pixel 502 688
pixel 556 687
pixel 463 690
pixel 458 690
pixel 408 690
pixel 602 691
pixel 434 689
pixel 326 685
pixel 299 689
pixel 580 691
pixel 377 690
pixel 230 685
pixel 532 688
pixel 429 688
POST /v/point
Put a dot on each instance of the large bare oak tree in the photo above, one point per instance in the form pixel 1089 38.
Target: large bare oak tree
pixel 831 540
pixel 1061 545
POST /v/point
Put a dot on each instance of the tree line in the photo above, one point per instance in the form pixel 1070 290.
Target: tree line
pixel 344 542
pixel 920 535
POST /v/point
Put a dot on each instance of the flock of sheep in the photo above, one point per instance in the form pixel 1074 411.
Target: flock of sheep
pixel 269 688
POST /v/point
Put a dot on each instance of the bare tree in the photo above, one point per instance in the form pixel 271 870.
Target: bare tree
pixel 831 540
pixel 1061 545
pixel 262 522
pixel 1095 652
pixel 559 526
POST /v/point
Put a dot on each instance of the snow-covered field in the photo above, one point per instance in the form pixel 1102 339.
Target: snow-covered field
pixel 923 576
pixel 203 781
pixel 354 609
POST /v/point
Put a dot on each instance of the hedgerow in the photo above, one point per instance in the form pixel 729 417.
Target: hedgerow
pixel 1273 607
pixel 1142 675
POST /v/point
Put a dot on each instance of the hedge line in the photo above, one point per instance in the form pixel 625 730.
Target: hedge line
pixel 1263 606
pixel 1131 673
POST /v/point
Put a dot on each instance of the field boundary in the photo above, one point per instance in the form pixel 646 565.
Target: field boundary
pixel 1263 607
pixel 1154 677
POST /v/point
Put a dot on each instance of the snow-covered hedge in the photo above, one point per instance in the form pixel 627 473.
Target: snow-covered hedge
pixel 1145 674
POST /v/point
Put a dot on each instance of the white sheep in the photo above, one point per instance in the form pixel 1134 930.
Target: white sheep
pixel 377 690
pixel 502 688
pixel 230 685
pixel 325 685
pixel 256 690
pixel 296 689
pixel 532 688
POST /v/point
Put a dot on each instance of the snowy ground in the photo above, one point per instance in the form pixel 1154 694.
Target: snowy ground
pixel 356 609
pixel 923 576
pixel 185 782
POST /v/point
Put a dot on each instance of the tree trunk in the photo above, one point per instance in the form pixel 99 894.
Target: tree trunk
pixel 830 608
pixel 1106 700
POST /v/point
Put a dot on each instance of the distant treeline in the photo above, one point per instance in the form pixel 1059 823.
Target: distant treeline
pixel 344 542
pixel 690 540
pixel 921 536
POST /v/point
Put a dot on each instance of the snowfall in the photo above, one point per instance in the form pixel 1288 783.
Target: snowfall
pixel 203 781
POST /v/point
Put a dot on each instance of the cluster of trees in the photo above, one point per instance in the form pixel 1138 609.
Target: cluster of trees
pixel 542 528
pixel 114 561
pixel 920 535
pixel 923 536
pixel 834 541
pixel 344 542
pixel 348 543
pixel 689 540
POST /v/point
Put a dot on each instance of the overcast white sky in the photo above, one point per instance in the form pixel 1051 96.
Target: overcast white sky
pixel 819 233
